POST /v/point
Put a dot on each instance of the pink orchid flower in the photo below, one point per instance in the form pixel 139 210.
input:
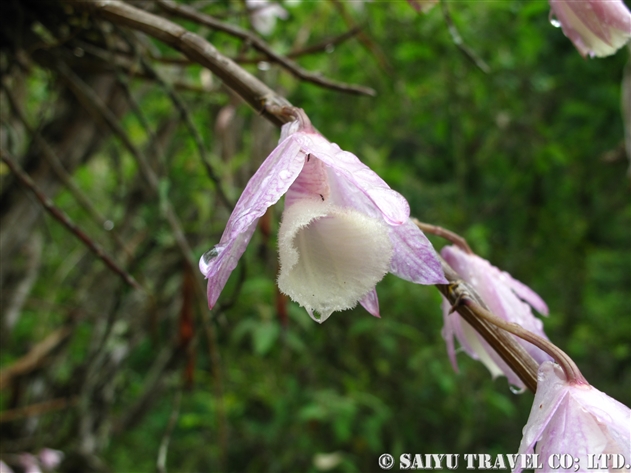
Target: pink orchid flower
pixel 505 297
pixel 49 458
pixel 596 27
pixel 576 421
pixel 342 229
pixel 263 15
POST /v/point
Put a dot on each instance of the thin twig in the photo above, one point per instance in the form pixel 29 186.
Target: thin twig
pixel 456 239
pixel 326 44
pixel 36 356
pixel 322 46
pixel 93 103
pixel 260 97
pixel 460 44
pixel 55 163
pixel 184 113
pixel 164 444
pixel 197 137
pixel 260 45
pixel 368 43
pixel 37 409
pixel 60 216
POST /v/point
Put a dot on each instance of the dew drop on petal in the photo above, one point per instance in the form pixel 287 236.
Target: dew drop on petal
pixel 207 257
pixel 516 390
pixel 211 254
pixel 554 22
pixel 284 175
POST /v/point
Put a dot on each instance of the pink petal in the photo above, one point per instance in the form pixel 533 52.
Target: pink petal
pixel 499 291
pixel 414 257
pixel 370 302
pixel 312 182
pixel 264 189
pixel 612 415
pixel 551 389
pixel 392 205
pixel 448 332
pixel 574 419
pixel 219 262
pixel 596 27
pixel 526 294
pixel 453 328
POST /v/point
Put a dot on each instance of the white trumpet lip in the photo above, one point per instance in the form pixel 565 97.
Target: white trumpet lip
pixel 330 257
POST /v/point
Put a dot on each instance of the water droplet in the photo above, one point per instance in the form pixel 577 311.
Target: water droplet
pixel 211 254
pixel 108 225
pixel 263 66
pixel 284 174
pixel 516 390
pixel 329 48
pixel 554 22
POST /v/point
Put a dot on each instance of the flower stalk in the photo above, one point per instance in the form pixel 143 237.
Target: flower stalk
pixel 513 354
pixel 572 373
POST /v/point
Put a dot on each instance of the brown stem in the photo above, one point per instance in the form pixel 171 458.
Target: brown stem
pixel 94 105
pixel 572 373
pixel 37 409
pixel 60 216
pixel 513 354
pixel 55 163
pixel 456 239
pixel 257 43
pixel 258 95
pixel 307 50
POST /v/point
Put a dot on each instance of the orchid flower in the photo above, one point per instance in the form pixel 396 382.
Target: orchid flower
pixel 505 297
pixel 342 229
pixel 49 458
pixel 577 420
pixel 596 27
pixel 263 15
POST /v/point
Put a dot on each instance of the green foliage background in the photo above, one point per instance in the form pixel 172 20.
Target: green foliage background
pixel 526 162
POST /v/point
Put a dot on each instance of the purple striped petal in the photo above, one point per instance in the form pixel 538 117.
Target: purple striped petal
pixel 264 189
pixel 414 257
pixel 370 302
pixel 577 420
pixel 392 205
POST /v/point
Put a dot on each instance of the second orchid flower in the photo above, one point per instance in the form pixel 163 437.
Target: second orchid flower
pixel 342 230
